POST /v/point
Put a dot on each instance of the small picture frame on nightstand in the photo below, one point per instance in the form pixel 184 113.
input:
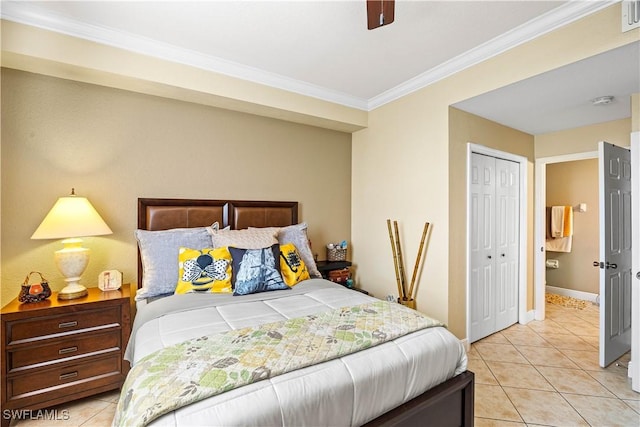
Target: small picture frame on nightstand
pixel 110 280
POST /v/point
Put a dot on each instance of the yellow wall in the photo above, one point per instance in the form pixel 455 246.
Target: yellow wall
pixel 400 166
pixel 114 146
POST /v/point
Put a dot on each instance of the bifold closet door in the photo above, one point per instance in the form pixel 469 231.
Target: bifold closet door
pixel 493 252
pixel 507 242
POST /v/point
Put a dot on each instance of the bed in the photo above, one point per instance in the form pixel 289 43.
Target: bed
pixel 416 378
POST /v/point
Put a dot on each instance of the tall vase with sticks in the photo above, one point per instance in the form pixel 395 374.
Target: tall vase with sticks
pixel 406 297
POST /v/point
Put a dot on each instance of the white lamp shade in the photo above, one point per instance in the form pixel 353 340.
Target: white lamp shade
pixel 71 216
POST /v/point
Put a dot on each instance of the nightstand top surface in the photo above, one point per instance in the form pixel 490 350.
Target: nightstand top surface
pixel 94 295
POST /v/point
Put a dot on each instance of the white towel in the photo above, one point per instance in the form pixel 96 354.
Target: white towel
pixel 557 221
pixel 561 244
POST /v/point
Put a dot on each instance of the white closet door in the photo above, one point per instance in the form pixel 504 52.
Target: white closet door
pixel 482 251
pixel 493 252
pixel 507 239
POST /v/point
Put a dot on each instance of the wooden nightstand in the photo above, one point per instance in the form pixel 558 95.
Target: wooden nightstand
pixel 325 267
pixel 55 351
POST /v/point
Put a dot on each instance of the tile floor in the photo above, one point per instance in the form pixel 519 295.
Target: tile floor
pixel 544 373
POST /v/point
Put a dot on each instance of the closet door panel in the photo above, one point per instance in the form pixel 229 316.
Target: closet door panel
pixel 507 250
pixel 482 241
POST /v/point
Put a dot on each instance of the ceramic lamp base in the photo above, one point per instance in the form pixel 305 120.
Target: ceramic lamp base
pixel 66 294
pixel 72 260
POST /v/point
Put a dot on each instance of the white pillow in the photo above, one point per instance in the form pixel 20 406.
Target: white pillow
pixel 251 238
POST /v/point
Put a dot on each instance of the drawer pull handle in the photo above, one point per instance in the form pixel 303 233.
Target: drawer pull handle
pixel 67 324
pixel 69 375
pixel 67 350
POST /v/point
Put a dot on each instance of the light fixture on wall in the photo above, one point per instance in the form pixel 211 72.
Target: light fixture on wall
pixel 70 218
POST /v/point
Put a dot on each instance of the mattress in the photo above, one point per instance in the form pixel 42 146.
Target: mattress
pixel 351 390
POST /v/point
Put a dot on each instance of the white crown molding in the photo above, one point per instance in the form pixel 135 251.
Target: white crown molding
pixel 29 14
pixel 552 20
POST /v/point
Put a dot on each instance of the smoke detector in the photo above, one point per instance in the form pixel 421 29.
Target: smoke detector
pixel 602 100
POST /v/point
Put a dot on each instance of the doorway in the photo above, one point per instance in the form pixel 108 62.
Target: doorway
pixel 568 267
pixel 611 305
pixel 540 221
pixel 496 267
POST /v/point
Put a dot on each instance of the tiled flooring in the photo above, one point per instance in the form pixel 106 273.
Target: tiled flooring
pixel 540 374
pixel 546 373
pixel 95 411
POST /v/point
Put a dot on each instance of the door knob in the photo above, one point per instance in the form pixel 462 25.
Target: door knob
pixel 611 265
pixel 502 255
pixel 638 275
pixel 489 256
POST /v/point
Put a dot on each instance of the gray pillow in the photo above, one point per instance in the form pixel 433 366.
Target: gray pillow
pixel 159 255
pixel 297 234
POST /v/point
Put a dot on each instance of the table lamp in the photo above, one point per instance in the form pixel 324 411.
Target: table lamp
pixel 70 218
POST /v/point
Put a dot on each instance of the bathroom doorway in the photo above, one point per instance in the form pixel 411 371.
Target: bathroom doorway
pixel 559 279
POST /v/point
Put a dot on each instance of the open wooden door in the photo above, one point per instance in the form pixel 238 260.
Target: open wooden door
pixel 615 252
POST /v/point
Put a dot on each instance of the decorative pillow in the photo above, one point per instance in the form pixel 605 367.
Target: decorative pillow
pixel 158 253
pixel 256 238
pixel 256 270
pixel 292 267
pixel 204 270
pixel 297 234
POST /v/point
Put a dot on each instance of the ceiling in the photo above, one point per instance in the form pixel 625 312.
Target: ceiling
pixel 323 49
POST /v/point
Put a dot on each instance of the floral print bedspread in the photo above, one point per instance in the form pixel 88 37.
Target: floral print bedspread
pixel 199 368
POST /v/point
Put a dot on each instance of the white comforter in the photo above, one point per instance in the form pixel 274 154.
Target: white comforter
pixel 351 390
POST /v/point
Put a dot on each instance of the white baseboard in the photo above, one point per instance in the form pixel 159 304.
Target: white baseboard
pixel 529 316
pixel 586 296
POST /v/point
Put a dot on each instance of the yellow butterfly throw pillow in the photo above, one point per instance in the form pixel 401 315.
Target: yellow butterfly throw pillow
pixel 204 270
pixel 292 267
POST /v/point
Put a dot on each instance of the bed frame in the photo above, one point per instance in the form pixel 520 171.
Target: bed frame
pixel 448 404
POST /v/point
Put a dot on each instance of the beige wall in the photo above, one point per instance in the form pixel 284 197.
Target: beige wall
pixel 400 166
pixel 114 146
pixel 36 50
pixel 572 183
pixel 583 139
pixel 464 128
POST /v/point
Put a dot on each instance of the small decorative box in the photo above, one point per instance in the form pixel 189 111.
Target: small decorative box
pixel 339 276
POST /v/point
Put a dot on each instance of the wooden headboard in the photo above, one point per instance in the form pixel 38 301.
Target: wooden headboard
pixel 163 214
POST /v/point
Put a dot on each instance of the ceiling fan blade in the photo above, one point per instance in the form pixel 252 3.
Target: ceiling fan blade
pixel 379 13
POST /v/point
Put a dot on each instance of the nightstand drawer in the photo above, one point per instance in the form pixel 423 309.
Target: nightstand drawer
pixel 69 348
pixel 49 326
pixel 78 375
